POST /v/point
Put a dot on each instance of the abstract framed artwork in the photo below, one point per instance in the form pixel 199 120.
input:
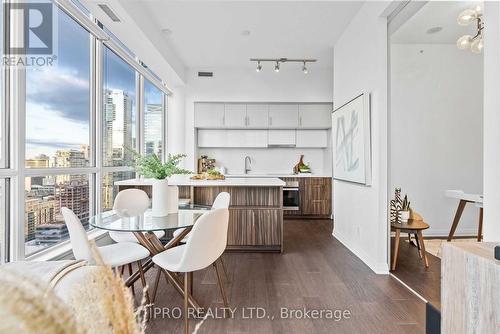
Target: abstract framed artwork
pixel 351 137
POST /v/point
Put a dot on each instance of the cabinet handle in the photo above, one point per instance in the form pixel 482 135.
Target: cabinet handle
pixel 224 120
pixel 270 121
pixel 300 121
pixel 247 121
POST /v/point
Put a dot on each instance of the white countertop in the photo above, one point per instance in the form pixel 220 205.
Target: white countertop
pixel 229 181
pixel 276 175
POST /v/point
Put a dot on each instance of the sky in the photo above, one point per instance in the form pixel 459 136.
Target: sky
pixel 58 100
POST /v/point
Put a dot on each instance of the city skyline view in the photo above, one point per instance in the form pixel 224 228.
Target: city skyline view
pixel 58 116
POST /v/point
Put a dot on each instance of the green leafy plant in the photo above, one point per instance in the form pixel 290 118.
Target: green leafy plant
pixel 213 172
pixel 406 204
pixel 151 166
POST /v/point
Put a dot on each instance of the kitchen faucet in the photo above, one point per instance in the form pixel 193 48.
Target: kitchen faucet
pixel 247 167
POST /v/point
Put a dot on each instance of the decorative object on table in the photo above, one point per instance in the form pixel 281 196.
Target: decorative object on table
pixel 211 174
pixel 467 42
pixel 301 167
pixel 351 141
pixel 204 164
pixel 396 205
pixel 405 210
pixel 151 166
pixel 497 252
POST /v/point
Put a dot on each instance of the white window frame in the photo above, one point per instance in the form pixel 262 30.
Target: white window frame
pixel 14 99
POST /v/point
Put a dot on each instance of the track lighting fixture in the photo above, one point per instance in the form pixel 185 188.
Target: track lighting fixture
pixel 278 61
pixel 474 43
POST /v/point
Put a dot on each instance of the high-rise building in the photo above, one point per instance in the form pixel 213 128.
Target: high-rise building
pixel 53 232
pixel 38 211
pixel 117 126
pixel 74 195
pixel 69 159
pixel 86 152
pixel 40 161
pixel 153 129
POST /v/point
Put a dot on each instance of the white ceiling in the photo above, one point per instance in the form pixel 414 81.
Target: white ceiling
pixel 207 34
pixel 435 14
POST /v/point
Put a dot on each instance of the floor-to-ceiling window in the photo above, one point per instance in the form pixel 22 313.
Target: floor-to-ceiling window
pixel 154 106
pixel 119 125
pixel 58 133
pixel 67 131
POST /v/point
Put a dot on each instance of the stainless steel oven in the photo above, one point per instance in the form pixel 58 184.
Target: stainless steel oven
pixel 291 196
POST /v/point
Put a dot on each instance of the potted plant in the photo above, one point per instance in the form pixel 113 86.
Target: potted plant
pixel 405 210
pixel 165 198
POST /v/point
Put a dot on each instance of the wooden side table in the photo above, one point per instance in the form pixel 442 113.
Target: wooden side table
pixel 414 227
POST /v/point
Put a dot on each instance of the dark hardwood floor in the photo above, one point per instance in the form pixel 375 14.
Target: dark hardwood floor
pixel 410 269
pixel 315 272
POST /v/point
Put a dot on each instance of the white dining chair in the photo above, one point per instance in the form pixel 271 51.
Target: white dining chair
pixel 114 255
pixel 220 202
pixel 130 202
pixel 207 242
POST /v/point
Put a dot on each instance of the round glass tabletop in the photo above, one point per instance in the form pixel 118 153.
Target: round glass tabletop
pixel 119 221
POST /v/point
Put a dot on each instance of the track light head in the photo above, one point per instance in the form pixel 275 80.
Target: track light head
pixel 259 67
pixel 304 68
pixel 277 66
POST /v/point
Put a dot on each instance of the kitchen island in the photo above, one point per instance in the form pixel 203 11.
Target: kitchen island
pixel 255 211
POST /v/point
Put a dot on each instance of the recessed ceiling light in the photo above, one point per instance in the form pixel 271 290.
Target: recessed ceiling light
pixel 166 32
pixel 434 30
pixel 245 33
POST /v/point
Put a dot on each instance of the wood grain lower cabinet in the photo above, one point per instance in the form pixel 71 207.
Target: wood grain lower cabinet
pixel 315 197
pixel 255 216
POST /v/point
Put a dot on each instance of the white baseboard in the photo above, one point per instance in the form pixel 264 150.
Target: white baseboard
pixel 377 268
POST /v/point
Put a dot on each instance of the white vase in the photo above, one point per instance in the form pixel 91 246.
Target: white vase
pixel 405 215
pixel 159 207
pixel 173 199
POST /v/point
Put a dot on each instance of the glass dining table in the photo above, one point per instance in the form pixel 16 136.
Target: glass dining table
pixel 143 227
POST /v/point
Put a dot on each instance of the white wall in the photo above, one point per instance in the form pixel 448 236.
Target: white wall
pixel 437 130
pixel 246 85
pixel 176 121
pixel 360 65
pixel 270 160
pixel 491 122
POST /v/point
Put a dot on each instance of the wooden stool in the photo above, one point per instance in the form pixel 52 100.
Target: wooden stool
pixel 414 227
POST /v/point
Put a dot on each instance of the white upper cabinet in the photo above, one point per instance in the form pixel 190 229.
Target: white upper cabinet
pixel 315 116
pixel 281 138
pixel 257 116
pixel 312 138
pixel 209 115
pixel 283 116
pixel 212 138
pixel 235 115
pixel 246 138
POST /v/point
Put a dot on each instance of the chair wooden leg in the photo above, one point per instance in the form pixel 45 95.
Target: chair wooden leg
pixel 223 267
pixel 186 305
pixel 458 214
pixel 191 279
pixel 130 273
pixel 143 281
pixel 422 245
pixel 480 227
pixel 221 286
pixel 157 281
pixel 122 270
pixel 396 249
